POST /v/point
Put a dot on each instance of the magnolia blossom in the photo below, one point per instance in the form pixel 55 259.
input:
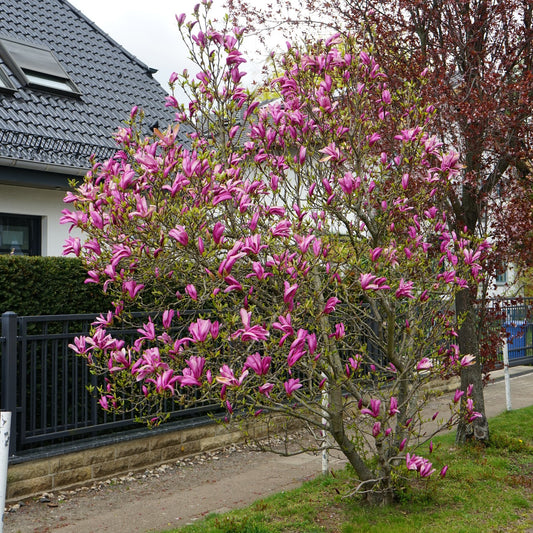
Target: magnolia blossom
pixel 249 332
pixel 258 364
pixel 375 406
pixel 292 385
pixel 424 364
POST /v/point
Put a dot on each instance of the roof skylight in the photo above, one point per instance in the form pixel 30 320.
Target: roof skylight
pixel 36 66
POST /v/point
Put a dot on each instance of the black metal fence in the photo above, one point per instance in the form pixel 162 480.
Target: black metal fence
pixel 44 384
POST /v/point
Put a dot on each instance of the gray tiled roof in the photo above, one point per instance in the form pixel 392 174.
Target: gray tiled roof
pixel 53 128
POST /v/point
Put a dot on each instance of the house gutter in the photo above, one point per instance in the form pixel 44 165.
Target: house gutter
pixel 42 167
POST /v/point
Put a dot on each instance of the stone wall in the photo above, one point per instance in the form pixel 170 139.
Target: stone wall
pixel 32 478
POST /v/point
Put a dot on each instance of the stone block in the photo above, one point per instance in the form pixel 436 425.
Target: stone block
pixel 146 458
pixel 219 441
pixel 29 470
pixel 171 453
pixel 132 447
pixel 198 433
pixel 70 461
pixel 29 487
pixel 191 447
pixel 110 468
pixel 168 439
pixel 68 478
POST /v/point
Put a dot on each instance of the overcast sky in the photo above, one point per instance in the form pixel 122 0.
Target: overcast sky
pixel 147 29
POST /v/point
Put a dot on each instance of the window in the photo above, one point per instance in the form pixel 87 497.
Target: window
pixel 20 234
pixel 501 277
pixel 36 66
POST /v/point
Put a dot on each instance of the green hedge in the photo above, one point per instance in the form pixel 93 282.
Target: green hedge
pixel 47 286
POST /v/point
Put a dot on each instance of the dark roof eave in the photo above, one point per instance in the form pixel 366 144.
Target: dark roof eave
pixel 43 167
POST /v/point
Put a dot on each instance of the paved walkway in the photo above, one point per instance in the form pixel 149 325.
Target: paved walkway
pixel 233 480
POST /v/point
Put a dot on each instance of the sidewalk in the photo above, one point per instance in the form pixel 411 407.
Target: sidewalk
pixel 227 480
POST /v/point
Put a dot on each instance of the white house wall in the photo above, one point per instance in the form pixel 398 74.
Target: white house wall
pixel 44 203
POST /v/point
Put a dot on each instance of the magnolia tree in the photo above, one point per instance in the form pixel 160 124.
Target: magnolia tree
pixel 293 255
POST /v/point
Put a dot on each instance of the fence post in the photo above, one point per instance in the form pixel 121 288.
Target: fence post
pixel 8 376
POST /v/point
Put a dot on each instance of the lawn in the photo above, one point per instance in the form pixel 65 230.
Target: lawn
pixel 486 489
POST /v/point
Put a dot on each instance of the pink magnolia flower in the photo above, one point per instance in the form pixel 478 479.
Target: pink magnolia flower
pixel 72 246
pixel 289 293
pixel 292 385
pixel 424 364
pixel 258 271
pixel 349 184
pixel 297 350
pixel 302 154
pixel 426 469
pixel 375 407
pixel 96 219
pixel 393 409
pixel 282 229
pixel 443 471
pixel 457 395
pixel 371 282
pixel 191 291
pixel 193 372
pixel 168 315
pixel 468 360
pixel 147 332
pixel 218 232
pixel 330 305
pixel 405 289
pixel 233 284
pixel 227 377
pixel 80 345
pixel 179 234
pixel 103 403
pixel 132 288
pixel 149 363
pixel 74 218
pixel 266 388
pixel 200 330
pixel 413 462
pixel 252 245
pixel 284 325
pixel 355 362
pixel 339 331
pixel 312 343
pixel 258 364
pixel 94 246
pixel 249 332
pixel 376 429
pixel 231 258
pixel 164 381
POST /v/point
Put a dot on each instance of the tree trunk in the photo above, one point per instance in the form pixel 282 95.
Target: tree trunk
pixel 478 429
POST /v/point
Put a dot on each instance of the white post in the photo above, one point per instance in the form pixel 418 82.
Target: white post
pixel 5 427
pixel 325 452
pixel 506 375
